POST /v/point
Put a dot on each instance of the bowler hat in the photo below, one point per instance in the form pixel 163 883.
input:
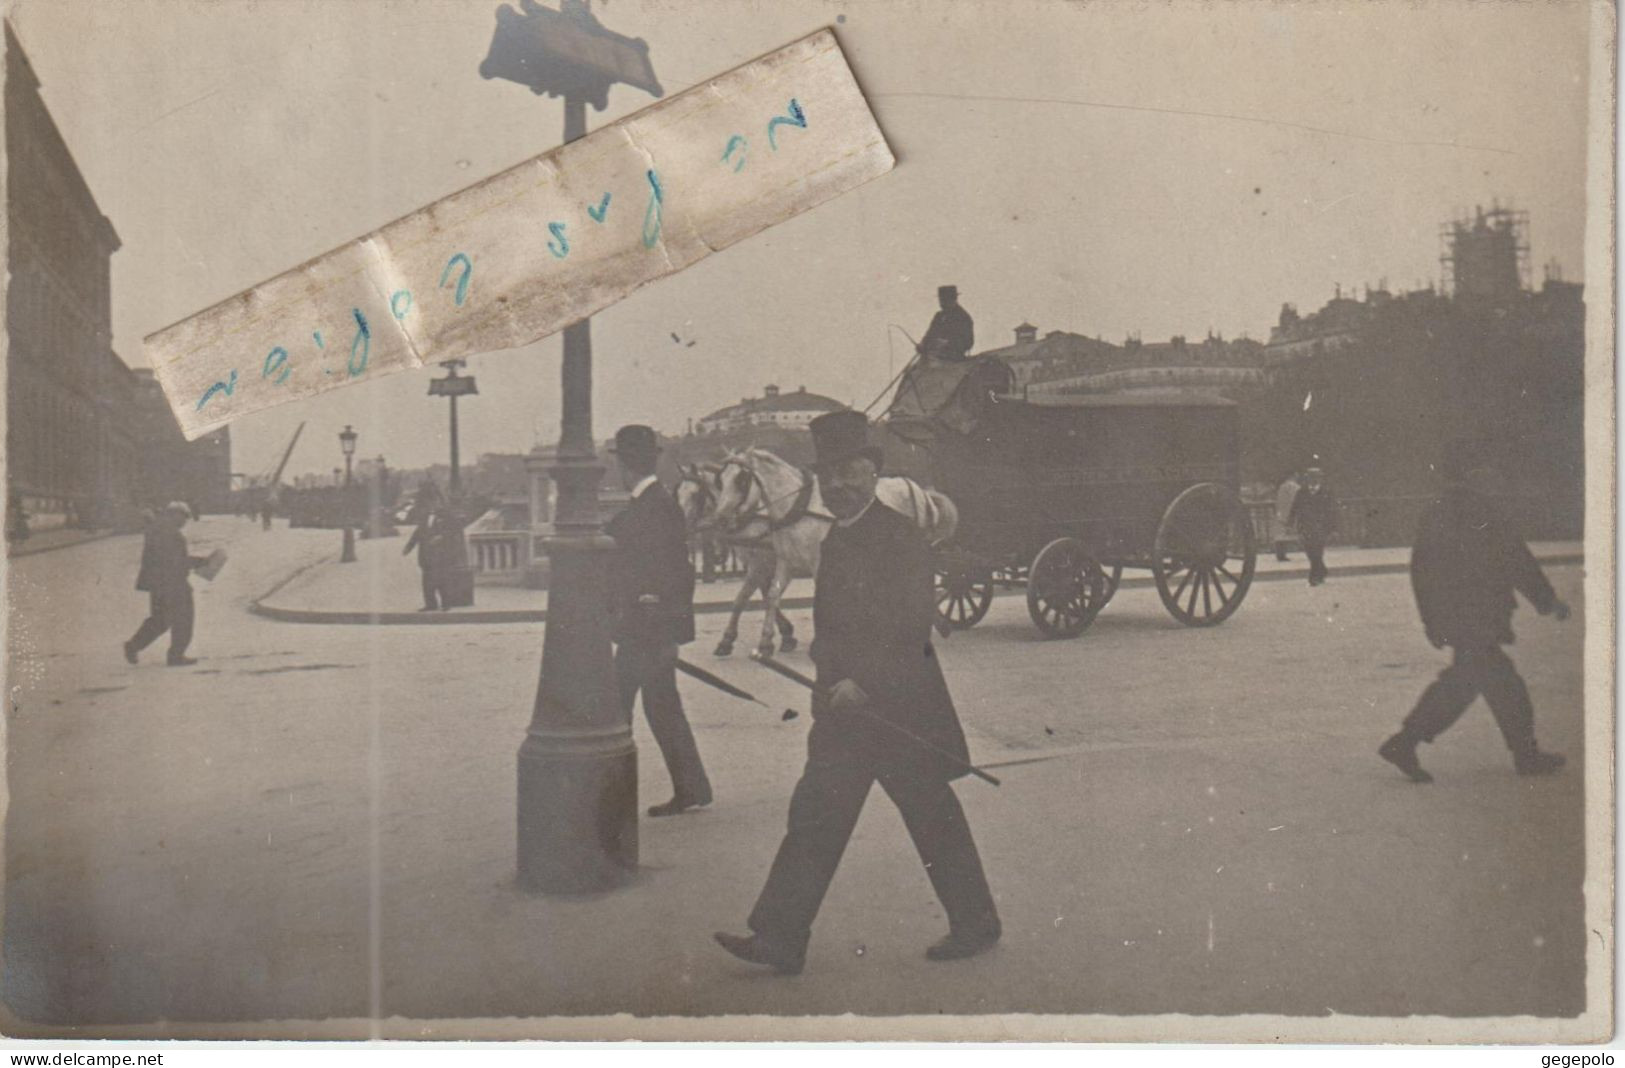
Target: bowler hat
pixel 839 436
pixel 636 440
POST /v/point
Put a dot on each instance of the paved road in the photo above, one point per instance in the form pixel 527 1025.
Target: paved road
pixel 318 820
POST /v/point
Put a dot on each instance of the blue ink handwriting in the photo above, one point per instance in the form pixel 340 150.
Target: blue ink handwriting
pixel 600 211
pixel 462 280
pixel 558 245
pixel 218 387
pixel 798 118
pixel 276 360
pixel 652 215
pixel 740 143
pixel 363 342
pixel 395 307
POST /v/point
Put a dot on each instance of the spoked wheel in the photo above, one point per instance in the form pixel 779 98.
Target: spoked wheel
pixel 1066 588
pixel 1114 578
pixel 964 593
pixel 1203 557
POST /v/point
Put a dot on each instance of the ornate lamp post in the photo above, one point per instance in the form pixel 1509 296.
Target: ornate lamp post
pixel 578 783
pixel 347 438
pixel 453 386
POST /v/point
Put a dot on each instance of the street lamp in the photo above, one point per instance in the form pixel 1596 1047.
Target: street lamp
pixel 453 386
pixel 578 781
pixel 347 438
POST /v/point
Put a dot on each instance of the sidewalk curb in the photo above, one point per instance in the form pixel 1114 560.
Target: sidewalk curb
pixel 13 553
pixel 258 606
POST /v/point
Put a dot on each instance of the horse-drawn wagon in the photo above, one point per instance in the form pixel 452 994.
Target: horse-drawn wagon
pixel 1062 493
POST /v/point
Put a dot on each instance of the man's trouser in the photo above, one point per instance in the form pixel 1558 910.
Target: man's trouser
pixel 1314 547
pixel 431 587
pixel 170 610
pixel 640 667
pixel 1474 670
pixel 823 811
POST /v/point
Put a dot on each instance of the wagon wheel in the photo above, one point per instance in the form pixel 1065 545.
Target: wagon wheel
pixel 964 593
pixel 1065 588
pixel 1113 579
pixel 1203 556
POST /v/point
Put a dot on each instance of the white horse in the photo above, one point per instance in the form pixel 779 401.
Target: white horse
pixel 697 498
pixel 763 500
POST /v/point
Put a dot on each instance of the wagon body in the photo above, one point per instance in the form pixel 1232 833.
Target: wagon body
pixel 1062 493
pixel 1100 468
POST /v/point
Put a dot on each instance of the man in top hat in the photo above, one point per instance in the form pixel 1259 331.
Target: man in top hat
pixel 164 577
pixel 952 332
pixel 873 608
pixel 1465 565
pixel 653 587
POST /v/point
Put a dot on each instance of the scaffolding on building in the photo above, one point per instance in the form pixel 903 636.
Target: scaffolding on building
pixel 1485 253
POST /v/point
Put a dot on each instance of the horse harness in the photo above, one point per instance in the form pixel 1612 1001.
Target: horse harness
pixel 800 508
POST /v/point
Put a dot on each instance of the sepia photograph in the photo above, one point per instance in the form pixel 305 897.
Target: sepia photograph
pixel 825 520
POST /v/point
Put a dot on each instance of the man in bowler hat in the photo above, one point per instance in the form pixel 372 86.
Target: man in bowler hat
pixel 653 585
pixel 872 613
pixel 1464 568
pixel 165 577
pixel 952 331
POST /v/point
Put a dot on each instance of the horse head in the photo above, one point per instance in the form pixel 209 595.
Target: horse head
pixel 697 495
pixel 739 493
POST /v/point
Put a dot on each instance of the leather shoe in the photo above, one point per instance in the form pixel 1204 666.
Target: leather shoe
pixel 182 661
pixel 753 949
pixel 676 806
pixel 1400 751
pixel 129 654
pixel 961 945
pixel 1539 763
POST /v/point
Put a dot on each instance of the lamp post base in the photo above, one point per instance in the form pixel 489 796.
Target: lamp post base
pixel 578 769
pixel 578 812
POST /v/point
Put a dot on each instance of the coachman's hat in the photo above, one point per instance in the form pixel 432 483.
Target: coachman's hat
pixel 839 436
pixel 947 291
pixel 636 440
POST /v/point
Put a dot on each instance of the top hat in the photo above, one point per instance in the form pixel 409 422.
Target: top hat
pixel 947 291
pixel 839 436
pixel 636 440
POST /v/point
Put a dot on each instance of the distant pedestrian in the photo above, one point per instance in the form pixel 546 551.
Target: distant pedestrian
pixel 1285 497
pixel 872 615
pixel 267 511
pixel 652 579
pixel 165 577
pixel 429 538
pixel 952 331
pixel 1314 516
pixel 1465 567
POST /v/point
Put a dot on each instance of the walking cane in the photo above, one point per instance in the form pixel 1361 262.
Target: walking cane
pixel 729 688
pixel 795 676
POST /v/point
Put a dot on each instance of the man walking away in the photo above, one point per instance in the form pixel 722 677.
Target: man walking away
pixel 1285 497
pixel 873 608
pixel 1314 514
pixel 165 567
pixel 1466 564
pixel 952 332
pixel 653 583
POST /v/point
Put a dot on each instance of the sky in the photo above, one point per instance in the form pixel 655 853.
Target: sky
pixel 1106 168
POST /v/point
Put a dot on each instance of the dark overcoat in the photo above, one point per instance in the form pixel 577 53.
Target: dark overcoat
pixel 165 563
pixel 1465 565
pixel 873 608
pixel 953 329
pixel 1314 512
pixel 651 557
